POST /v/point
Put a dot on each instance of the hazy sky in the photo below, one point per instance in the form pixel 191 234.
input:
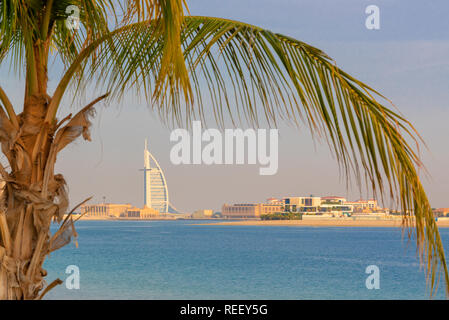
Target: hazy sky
pixel 407 60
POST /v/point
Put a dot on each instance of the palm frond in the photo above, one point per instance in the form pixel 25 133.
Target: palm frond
pixel 24 24
pixel 164 20
pixel 292 80
pixel 249 70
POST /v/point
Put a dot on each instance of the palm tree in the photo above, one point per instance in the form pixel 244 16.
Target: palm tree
pixel 173 58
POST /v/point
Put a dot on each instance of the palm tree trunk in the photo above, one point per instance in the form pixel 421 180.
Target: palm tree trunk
pixel 33 196
pixel 27 204
pixel 21 269
pixel 21 272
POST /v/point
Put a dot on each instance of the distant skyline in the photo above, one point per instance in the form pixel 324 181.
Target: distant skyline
pixel 407 60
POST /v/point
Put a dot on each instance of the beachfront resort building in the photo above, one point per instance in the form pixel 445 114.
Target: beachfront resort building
pixel 112 210
pixel 202 214
pixel 138 213
pixel 104 210
pixel 364 205
pixel 333 205
pixel 329 204
pixel 333 200
pixel 302 204
pixel 316 205
pixel 275 201
pixel 249 210
pixel 441 212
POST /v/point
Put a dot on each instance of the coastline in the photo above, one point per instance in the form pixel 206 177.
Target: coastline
pixel 308 222
pixel 124 219
pixel 320 223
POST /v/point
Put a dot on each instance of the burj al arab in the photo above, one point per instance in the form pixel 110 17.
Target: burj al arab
pixel 155 185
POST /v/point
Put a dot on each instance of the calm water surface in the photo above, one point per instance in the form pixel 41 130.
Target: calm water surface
pixel 178 260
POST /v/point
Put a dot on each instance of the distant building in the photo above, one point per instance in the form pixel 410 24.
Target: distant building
pixel 328 205
pixel 138 213
pixel 275 201
pixel 104 210
pixel 202 214
pixel 302 204
pixel 442 212
pixel 364 205
pixel 336 208
pixel 111 210
pixel 303 201
pixel 333 200
pixel 249 210
pixel 335 205
pixel 154 183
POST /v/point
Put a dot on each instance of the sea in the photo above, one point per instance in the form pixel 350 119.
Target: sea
pixel 184 260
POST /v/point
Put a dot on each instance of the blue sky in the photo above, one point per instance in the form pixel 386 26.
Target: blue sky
pixel 407 60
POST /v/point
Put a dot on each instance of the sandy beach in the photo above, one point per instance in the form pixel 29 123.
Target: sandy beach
pixel 321 223
pixel 308 222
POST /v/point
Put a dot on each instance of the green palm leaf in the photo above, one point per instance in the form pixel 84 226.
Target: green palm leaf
pixel 247 70
pixel 295 81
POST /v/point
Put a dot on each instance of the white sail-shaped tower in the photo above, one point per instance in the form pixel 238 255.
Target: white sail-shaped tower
pixel 154 183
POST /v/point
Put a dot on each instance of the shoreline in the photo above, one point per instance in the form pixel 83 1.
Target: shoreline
pixel 396 223
pixel 309 222
pixel 126 219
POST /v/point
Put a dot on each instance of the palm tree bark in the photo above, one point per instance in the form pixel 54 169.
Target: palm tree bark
pixel 34 195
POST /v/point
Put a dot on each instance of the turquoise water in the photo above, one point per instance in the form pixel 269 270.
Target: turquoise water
pixel 178 260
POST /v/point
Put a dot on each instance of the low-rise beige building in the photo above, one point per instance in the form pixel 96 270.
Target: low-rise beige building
pixel 138 213
pixel 104 210
pixel 441 211
pixel 249 210
pixel 202 214
pixel 363 205
pixel 111 210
